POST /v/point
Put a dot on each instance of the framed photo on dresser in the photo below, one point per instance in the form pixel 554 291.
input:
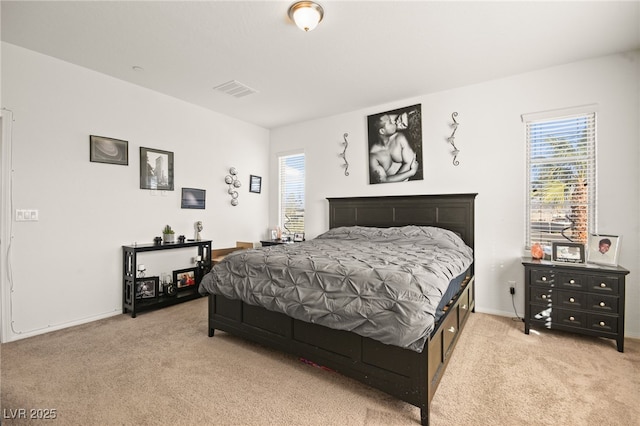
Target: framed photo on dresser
pixel 567 252
pixel 603 249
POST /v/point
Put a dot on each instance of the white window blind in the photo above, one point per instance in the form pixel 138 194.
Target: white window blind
pixel 561 177
pixel 291 170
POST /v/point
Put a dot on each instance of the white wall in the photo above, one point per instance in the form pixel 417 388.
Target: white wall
pixel 66 268
pixel 492 163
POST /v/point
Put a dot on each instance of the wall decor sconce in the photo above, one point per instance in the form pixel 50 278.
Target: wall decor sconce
pixel 232 180
pixel 344 154
pixel 451 139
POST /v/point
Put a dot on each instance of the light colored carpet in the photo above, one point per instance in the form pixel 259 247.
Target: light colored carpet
pixel 162 368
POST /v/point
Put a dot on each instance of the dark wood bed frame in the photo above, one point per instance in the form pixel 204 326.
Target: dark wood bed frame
pixel 408 375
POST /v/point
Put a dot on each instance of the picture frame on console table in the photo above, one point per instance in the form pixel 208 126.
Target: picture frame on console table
pixel 603 249
pixel 147 288
pixel 567 252
pixel 184 278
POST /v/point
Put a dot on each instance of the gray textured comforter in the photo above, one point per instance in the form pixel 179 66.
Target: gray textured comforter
pixel 383 283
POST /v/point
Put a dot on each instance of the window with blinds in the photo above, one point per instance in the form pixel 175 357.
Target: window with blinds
pixel 561 177
pixel 291 171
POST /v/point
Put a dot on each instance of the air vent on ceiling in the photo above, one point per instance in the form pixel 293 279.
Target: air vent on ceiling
pixel 235 88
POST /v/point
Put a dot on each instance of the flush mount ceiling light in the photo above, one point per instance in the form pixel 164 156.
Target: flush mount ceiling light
pixel 306 14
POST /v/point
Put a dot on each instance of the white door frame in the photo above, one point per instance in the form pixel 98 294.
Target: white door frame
pixel 6 123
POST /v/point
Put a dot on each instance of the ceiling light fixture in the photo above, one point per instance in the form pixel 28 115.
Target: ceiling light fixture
pixel 306 14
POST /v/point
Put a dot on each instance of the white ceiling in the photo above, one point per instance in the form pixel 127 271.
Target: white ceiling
pixel 363 53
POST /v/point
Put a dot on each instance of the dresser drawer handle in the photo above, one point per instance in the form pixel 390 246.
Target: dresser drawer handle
pixel 571 299
pixel 603 304
pixel 603 285
pixel 452 329
pixel 543 297
pixel 543 278
pixel 572 318
pixel 602 324
pixel 572 281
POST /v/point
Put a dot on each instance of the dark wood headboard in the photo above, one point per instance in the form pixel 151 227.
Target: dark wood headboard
pixel 449 211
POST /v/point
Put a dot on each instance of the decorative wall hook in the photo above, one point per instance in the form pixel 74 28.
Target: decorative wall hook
pixel 232 180
pixel 344 154
pixel 451 139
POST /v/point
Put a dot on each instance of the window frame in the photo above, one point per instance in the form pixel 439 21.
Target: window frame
pixel 583 138
pixel 282 222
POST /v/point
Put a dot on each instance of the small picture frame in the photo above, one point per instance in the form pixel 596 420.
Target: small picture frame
pixel 184 278
pixel 567 252
pixel 156 169
pixel 298 237
pixel 108 150
pixel 274 234
pixel 193 198
pixel 147 288
pixel 603 249
pixel 255 184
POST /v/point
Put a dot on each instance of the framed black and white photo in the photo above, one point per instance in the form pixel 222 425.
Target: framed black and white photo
pixel 298 236
pixel 147 287
pixel 184 278
pixel 193 198
pixel 567 252
pixel 156 169
pixel 255 184
pixel 395 145
pixel 108 150
pixel 603 249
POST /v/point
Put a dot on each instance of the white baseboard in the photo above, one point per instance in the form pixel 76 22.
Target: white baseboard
pixel 12 337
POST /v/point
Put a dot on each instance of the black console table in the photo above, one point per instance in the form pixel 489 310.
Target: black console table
pixel 130 267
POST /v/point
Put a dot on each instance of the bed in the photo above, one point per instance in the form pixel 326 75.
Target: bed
pixel 410 373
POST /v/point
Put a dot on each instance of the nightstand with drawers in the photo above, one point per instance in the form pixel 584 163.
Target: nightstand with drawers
pixel 581 298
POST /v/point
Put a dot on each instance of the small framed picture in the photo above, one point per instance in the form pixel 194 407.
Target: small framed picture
pixel 156 169
pixel 298 236
pixel 147 288
pixel 184 278
pixel 603 249
pixel 567 252
pixel 108 150
pixel 193 198
pixel 255 184
pixel 274 234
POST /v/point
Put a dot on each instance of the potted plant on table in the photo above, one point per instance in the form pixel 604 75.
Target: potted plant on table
pixel 168 235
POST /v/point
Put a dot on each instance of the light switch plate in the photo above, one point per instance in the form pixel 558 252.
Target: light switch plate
pixel 27 215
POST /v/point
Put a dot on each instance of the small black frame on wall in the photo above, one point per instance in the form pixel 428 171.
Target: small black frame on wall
pixel 108 150
pixel 193 198
pixel 255 184
pixel 156 169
